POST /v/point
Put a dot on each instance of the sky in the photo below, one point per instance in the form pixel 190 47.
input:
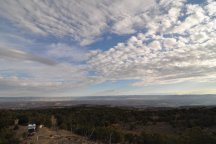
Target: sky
pixel 107 47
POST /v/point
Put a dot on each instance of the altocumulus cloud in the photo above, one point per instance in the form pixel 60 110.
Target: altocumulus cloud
pixel 84 21
pixel 179 45
pixel 169 42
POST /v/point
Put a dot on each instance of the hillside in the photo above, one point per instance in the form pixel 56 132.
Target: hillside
pixel 101 124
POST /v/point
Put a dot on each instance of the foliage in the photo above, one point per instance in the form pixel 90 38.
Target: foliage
pixel 119 125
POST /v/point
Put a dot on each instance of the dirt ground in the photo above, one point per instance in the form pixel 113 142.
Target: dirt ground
pixel 47 136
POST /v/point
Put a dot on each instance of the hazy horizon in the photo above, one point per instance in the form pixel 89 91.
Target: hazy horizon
pixel 145 95
pixel 126 101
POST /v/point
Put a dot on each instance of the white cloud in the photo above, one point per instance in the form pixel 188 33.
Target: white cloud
pixel 185 50
pixel 21 55
pixel 211 8
pixel 21 78
pixel 155 45
pixel 67 53
pixel 176 42
pixel 84 21
pixel 169 43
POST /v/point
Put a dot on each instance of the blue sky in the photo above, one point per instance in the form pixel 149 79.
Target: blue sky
pixel 83 48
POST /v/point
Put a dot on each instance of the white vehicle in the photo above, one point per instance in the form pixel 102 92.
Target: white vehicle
pixel 31 129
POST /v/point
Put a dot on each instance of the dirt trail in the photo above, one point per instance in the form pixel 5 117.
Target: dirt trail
pixel 47 136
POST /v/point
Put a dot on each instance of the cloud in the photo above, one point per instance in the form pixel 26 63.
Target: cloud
pixel 180 51
pixel 67 53
pixel 83 21
pixel 21 55
pixel 20 78
pixel 172 42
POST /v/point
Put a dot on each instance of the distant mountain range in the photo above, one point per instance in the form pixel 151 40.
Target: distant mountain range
pixel 124 100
